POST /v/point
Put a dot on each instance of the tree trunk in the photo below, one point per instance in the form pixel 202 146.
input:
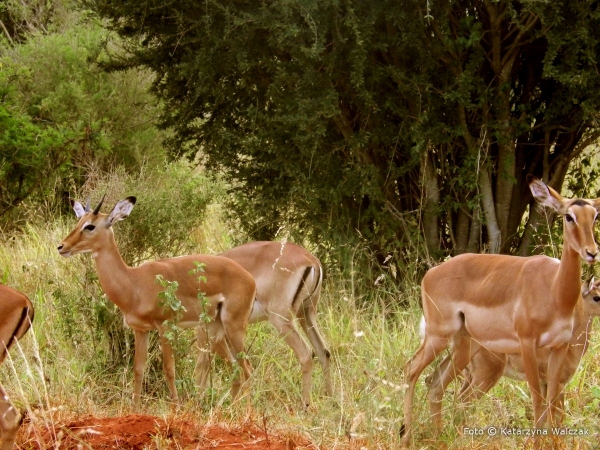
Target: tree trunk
pixel 489 211
pixel 431 207
pixel 474 244
pixel 461 232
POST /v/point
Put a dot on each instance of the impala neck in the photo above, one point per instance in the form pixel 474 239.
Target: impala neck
pixel 567 283
pixel 113 273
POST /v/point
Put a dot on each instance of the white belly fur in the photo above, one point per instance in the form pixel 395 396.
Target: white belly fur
pixel 258 313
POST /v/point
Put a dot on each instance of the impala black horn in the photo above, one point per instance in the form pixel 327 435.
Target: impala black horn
pixel 97 209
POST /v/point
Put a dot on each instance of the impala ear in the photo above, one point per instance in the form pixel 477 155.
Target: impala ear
pixel 586 288
pixel 596 203
pixel 546 195
pixel 120 211
pixel 78 208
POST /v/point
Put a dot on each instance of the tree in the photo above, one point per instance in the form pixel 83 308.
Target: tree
pixel 384 121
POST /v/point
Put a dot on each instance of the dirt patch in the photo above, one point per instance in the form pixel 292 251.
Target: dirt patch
pixel 139 432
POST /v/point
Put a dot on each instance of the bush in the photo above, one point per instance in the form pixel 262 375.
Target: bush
pixel 59 113
pixel 171 204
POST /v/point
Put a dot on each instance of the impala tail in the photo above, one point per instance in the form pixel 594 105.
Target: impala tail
pixel 17 322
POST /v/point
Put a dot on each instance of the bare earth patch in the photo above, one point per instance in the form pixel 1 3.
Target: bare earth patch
pixel 140 432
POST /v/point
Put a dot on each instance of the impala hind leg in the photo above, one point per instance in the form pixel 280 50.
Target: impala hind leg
pixel 10 421
pixel 482 374
pixel 210 339
pixel 203 361
pixel 235 335
pixel 168 361
pixel 462 351
pixel 240 366
pixel 307 317
pixel 427 352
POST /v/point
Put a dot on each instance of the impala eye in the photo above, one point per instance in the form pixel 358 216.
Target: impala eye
pixel 596 298
pixel 90 227
pixel 569 218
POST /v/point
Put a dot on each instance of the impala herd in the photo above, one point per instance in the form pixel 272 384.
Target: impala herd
pixel 528 318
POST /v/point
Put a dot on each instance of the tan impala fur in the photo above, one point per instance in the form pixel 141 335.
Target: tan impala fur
pixel 16 315
pixel 486 368
pixel 229 289
pixel 507 304
pixel 288 285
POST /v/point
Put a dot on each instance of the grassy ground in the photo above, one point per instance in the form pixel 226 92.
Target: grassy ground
pixel 64 366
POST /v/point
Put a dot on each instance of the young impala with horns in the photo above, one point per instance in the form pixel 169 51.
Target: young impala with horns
pixel 507 304
pixel 229 289
pixel 16 315
pixel 288 285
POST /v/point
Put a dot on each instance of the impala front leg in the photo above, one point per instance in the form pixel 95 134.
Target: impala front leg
pixel 139 364
pixel 554 395
pixel 532 373
pixel 168 366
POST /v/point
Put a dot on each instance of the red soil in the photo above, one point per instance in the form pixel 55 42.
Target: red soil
pixel 138 432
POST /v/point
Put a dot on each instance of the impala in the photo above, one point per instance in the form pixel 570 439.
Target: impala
pixel 16 315
pixel 486 368
pixel 228 289
pixel 507 304
pixel 288 285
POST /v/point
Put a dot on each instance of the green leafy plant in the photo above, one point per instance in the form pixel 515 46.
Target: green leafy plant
pixel 168 301
pixel 204 302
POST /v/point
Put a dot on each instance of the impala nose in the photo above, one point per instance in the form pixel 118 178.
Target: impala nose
pixel 60 247
pixel 591 257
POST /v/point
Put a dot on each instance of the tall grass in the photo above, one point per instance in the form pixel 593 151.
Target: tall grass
pixel 63 368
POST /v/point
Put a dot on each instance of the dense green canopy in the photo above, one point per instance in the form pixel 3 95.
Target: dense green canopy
pixel 386 120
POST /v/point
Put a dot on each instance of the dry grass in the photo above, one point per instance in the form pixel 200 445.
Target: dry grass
pixel 61 369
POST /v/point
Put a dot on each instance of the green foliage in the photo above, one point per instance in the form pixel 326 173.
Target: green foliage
pixel 32 157
pixel 24 18
pixel 168 301
pixel 59 114
pixel 320 113
pixel 202 299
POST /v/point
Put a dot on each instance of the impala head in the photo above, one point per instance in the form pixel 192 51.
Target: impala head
pixel 93 227
pixel 590 292
pixel 579 217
